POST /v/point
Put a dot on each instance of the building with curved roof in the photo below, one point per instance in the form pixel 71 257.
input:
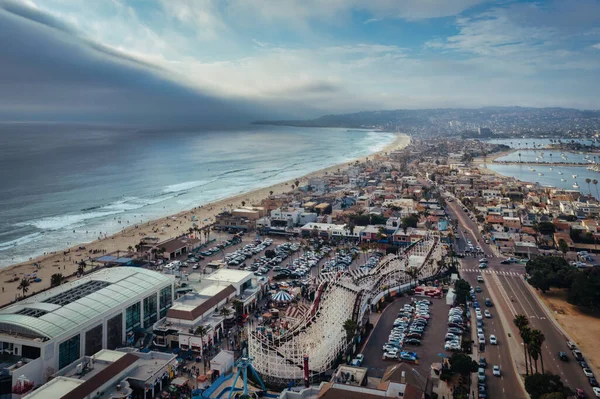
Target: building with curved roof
pixel 51 330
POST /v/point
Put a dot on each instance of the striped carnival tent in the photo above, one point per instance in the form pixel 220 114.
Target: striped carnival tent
pixel 282 296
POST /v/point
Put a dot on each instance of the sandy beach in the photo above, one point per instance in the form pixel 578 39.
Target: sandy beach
pixel 66 260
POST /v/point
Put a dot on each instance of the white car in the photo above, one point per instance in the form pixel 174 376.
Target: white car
pixel 496 371
pixel 596 391
pixel 493 340
pixel 390 355
pixel 479 316
pixel 588 373
pixel 487 314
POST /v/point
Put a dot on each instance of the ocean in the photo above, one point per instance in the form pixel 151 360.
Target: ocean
pixel 63 185
pixel 541 173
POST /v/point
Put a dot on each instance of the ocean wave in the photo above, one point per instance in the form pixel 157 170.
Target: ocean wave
pixel 20 241
pixel 188 185
pixel 59 222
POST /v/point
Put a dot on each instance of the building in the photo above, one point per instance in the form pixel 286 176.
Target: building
pixel 49 331
pixel 178 246
pixel 201 307
pixel 111 374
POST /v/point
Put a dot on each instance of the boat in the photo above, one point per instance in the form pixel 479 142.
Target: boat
pixel 563 179
pixel 574 176
pixel 560 173
pixel 551 168
pixel 540 174
pixel 575 185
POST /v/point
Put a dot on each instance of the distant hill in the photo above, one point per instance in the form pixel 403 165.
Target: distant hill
pixel 501 120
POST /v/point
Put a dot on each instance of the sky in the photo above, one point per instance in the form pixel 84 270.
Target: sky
pixel 226 61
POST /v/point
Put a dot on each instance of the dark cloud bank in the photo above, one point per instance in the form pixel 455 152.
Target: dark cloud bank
pixel 49 73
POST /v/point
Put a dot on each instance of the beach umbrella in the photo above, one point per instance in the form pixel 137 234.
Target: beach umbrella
pixel 282 296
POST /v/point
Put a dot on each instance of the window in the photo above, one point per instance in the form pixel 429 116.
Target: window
pixel 114 332
pixel 165 300
pixel 30 352
pixel 132 317
pixel 68 352
pixel 150 311
pixel 93 340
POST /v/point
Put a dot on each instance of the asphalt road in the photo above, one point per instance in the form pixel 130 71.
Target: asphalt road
pixel 506 282
pixel 431 345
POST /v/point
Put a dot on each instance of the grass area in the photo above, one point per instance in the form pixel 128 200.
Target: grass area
pixel 584 328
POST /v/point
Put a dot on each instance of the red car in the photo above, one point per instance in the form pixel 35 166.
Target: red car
pixel 579 393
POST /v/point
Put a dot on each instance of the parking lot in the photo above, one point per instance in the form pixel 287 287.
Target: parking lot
pixel 432 342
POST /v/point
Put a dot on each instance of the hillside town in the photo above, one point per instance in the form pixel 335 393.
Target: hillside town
pixel 388 243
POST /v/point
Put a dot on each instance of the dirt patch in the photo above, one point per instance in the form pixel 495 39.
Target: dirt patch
pixel 583 328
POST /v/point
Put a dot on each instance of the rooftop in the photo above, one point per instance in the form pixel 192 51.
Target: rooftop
pixel 229 276
pixel 56 388
pixel 52 313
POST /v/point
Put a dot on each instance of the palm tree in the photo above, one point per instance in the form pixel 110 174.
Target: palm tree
pixel 538 338
pixel 201 331
pixel 24 286
pixel 243 203
pixel 56 279
pixel 522 322
pixel 526 337
pixel 238 306
pixel 588 181
pixel 595 183
pixel 350 328
pixel 225 312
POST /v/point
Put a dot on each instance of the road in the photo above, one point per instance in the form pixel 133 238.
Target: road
pixel 504 282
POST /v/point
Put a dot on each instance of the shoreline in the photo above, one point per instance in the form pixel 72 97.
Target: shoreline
pixel 65 260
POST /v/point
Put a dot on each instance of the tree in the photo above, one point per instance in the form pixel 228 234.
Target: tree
pixel 297 182
pixel 585 289
pixel 270 253
pixel 130 248
pixel 537 342
pixel 463 364
pixel 271 192
pixel 201 331
pixel 538 384
pixel 588 181
pixel 56 279
pixel 522 322
pixel 243 203
pixel 350 327
pixel 595 183
pixel 225 312
pixel 238 306
pixel 24 285
pixel 549 271
pixel 462 289
pixel 545 228
pixel 409 221
pixel 563 246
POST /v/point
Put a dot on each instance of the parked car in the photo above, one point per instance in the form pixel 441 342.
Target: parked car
pixel 577 354
pixel 390 355
pixel 588 373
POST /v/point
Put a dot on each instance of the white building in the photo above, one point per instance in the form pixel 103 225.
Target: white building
pixel 49 331
pixel 288 217
pixel 202 306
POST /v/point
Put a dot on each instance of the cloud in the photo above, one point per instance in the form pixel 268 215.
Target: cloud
pixel 371 20
pixel 47 72
pixel 596 46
